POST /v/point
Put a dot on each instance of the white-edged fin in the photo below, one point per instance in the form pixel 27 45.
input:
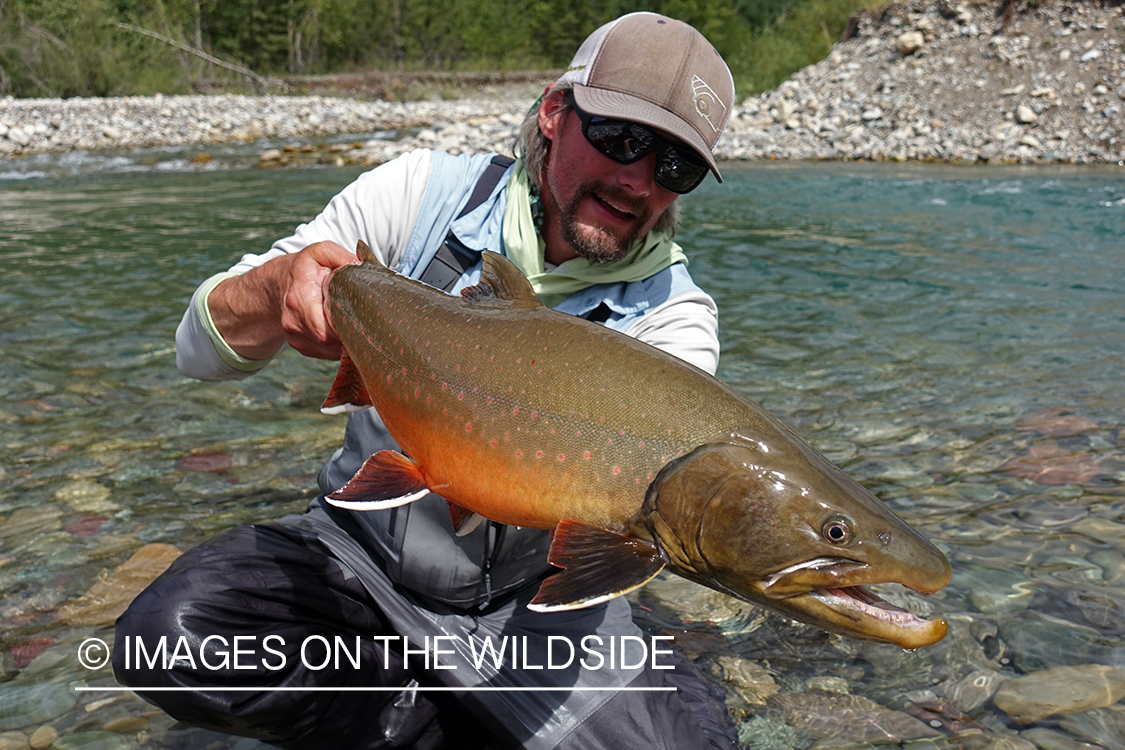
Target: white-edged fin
pixel 470 525
pixel 342 409
pixel 392 502
pixel 464 520
pixel 598 565
pixel 387 479
pixel 348 391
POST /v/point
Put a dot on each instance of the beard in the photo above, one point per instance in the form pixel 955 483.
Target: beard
pixel 594 243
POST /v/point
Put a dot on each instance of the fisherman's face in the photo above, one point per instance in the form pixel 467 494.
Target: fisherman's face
pixel 603 207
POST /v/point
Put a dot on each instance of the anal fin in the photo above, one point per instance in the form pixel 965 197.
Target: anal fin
pixel 348 392
pixel 386 480
pixel 598 565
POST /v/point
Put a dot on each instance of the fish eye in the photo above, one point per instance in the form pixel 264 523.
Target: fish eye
pixel 837 529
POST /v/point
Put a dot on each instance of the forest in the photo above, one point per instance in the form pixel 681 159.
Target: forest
pixel 64 48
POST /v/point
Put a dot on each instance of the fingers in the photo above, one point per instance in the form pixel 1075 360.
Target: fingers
pixel 331 255
pixel 306 312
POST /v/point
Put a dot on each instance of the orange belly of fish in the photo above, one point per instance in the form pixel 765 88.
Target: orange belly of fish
pixel 501 468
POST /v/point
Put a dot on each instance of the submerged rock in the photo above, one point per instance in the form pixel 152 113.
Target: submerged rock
pixel 43 737
pixel 749 680
pixel 13 741
pixel 86 496
pixel 850 717
pixel 97 740
pixel 1101 726
pixel 1060 690
pixel 28 706
pixel 763 733
pixel 974 690
pixel 1047 463
pixel 1038 641
pixel 1052 422
pixel 1103 608
pixel 109 597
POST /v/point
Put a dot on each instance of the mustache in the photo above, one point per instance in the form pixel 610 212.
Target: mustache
pixel 617 196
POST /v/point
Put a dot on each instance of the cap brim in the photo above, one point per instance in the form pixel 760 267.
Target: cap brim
pixel 605 103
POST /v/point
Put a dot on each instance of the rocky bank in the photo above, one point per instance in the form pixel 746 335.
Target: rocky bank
pixel 950 82
pixel 923 80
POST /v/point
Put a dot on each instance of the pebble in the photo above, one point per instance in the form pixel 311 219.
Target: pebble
pixel 974 690
pixel 87 496
pixel 910 42
pixel 1112 564
pixel 43 737
pixel 13 741
pixel 1060 690
pixel 127 725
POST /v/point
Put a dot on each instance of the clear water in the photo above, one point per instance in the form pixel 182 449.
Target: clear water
pixel 954 338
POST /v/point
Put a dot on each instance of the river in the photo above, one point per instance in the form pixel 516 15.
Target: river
pixel 952 337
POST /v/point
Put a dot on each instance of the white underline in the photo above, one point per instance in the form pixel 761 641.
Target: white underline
pixel 442 689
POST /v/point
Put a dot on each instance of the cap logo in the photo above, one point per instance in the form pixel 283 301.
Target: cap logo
pixel 707 103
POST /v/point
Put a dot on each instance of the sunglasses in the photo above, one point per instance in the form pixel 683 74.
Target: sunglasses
pixel 678 169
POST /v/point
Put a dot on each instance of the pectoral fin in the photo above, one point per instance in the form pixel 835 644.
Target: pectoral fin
pixel 598 565
pixel 386 480
pixel 348 391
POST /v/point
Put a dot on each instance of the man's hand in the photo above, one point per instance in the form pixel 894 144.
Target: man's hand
pixel 283 300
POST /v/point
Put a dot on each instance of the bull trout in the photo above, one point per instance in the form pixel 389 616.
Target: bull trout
pixel 637 460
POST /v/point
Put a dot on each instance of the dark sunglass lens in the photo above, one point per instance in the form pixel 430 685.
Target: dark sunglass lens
pixel 679 171
pixel 623 142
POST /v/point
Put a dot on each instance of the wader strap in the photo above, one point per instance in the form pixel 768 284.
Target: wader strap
pixel 453 258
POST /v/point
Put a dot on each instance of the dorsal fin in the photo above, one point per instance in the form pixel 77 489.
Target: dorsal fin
pixel 501 285
pixel 363 252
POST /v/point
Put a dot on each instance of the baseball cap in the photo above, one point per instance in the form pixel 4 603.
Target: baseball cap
pixel 655 70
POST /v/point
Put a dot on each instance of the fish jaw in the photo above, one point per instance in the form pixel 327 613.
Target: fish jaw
pixel 831 593
pixel 877 620
pixel 850 610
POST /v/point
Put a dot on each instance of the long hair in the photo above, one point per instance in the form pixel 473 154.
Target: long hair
pixel 534 148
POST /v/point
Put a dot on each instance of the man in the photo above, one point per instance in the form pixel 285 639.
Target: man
pixel 587 214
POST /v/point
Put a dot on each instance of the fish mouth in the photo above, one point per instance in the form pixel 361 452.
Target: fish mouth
pixel 878 619
pixel 831 593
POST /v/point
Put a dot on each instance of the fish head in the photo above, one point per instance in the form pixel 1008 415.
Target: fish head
pixel 772 522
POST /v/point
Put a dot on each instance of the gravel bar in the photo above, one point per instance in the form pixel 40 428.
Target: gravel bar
pixel 914 81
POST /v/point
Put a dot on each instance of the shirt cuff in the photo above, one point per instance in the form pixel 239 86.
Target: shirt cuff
pixel 225 352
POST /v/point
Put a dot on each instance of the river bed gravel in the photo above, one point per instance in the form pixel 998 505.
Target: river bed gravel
pixel 926 81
